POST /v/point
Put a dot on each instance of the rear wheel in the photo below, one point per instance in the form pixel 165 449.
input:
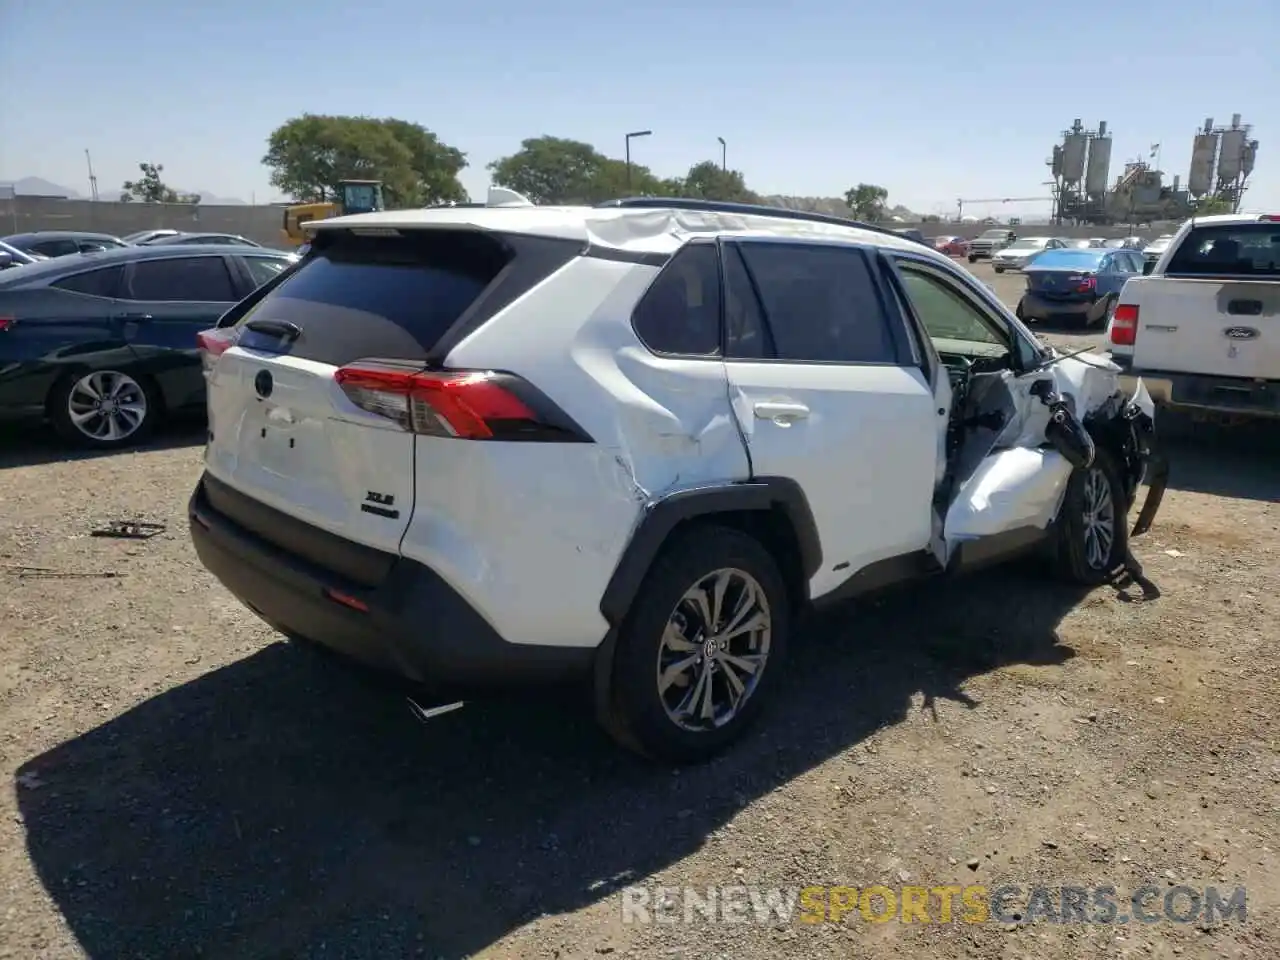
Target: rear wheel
pixel 701 652
pixel 103 409
pixel 1093 536
pixel 972 258
pixel 1104 314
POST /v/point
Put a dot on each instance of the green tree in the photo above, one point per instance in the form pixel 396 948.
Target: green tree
pixel 557 170
pixel 310 155
pixel 867 201
pixel 149 188
pixel 707 181
pixel 553 170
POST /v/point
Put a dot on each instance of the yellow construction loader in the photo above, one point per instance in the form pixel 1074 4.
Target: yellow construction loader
pixel 358 196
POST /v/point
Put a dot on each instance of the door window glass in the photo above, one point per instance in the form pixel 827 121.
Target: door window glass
pixel 821 302
pixel 200 279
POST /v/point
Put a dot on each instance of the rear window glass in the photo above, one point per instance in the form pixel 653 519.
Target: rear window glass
pixel 1229 250
pixel 1074 258
pixel 390 297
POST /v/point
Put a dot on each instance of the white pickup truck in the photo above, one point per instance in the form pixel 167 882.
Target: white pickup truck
pixel 1202 329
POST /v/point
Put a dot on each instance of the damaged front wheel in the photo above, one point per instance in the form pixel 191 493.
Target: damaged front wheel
pixel 1093 535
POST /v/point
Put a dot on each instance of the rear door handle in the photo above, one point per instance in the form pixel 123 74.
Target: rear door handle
pixel 780 412
pixel 1244 308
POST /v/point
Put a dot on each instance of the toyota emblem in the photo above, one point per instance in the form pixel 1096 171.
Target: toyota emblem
pixel 262 383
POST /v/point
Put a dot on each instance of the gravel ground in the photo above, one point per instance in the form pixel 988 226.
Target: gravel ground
pixel 183 784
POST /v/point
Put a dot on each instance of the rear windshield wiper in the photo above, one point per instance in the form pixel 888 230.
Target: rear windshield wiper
pixel 275 328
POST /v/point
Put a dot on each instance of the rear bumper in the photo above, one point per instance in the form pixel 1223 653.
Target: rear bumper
pixel 1041 308
pixel 412 624
pixel 1213 394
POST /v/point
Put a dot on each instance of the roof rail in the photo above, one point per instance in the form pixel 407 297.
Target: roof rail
pixel 745 209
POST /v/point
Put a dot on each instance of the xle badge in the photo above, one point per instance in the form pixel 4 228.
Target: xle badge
pixel 379 504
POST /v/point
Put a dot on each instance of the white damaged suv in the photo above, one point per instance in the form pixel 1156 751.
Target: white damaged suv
pixel 629 444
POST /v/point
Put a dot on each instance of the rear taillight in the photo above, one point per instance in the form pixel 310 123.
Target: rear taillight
pixel 1270 218
pixel 214 343
pixel 6 323
pixel 1086 284
pixel 1124 325
pixel 465 404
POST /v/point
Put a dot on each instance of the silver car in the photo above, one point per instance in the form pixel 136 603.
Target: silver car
pixel 1019 253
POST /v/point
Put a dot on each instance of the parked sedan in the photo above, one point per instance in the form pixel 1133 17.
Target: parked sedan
pixel 63 243
pixel 104 344
pixel 1018 254
pixel 951 246
pixel 1021 251
pixel 230 239
pixel 1080 284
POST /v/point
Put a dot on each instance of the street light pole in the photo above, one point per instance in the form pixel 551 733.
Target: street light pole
pixel 724 152
pixel 636 133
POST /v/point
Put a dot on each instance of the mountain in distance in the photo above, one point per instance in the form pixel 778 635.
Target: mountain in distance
pixel 39 187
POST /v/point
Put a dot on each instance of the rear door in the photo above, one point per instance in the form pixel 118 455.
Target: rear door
pixel 49 329
pixel 163 305
pixel 1216 307
pixel 828 391
pixel 281 429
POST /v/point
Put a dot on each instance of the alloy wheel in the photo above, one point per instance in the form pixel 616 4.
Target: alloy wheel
pixel 714 650
pixel 1099 519
pixel 107 406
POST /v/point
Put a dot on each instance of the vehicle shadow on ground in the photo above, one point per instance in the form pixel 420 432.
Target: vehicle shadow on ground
pixel 1240 460
pixel 286 806
pixel 29 445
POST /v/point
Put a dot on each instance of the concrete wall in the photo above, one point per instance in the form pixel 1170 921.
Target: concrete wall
pixel 263 224
pixel 24 214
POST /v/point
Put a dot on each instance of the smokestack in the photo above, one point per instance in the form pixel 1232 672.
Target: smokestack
pixel 1235 121
pixel 1102 128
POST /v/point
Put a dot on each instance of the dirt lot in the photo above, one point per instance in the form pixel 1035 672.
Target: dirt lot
pixel 182 784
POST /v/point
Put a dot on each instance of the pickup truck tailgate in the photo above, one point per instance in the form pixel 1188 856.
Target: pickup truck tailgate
pixel 1228 328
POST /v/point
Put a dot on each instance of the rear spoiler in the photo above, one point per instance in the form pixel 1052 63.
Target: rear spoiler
pixel 498 197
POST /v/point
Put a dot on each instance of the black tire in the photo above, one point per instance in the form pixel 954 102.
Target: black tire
pixel 998 269
pixel 1017 312
pixel 1104 315
pixel 638 718
pixel 1072 547
pixel 973 259
pixel 59 413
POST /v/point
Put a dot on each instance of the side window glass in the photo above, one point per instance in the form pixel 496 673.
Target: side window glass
pixel 680 312
pixel 820 302
pixel 945 312
pixel 199 279
pixel 56 248
pixel 263 269
pixel 94 283
pixel 746 333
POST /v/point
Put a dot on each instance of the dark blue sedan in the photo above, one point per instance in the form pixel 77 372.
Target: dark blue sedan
pixel 1081 285
pixel 104 344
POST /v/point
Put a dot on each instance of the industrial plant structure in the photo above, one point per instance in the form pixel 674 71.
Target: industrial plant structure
pixel 1221 161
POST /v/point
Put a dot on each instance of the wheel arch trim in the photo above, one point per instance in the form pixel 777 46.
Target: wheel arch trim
pixel 662 516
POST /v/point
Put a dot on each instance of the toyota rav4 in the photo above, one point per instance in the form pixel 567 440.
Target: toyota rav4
pixel 630 444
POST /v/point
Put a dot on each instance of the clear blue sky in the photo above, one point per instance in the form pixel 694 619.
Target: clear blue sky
pixel 933 99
